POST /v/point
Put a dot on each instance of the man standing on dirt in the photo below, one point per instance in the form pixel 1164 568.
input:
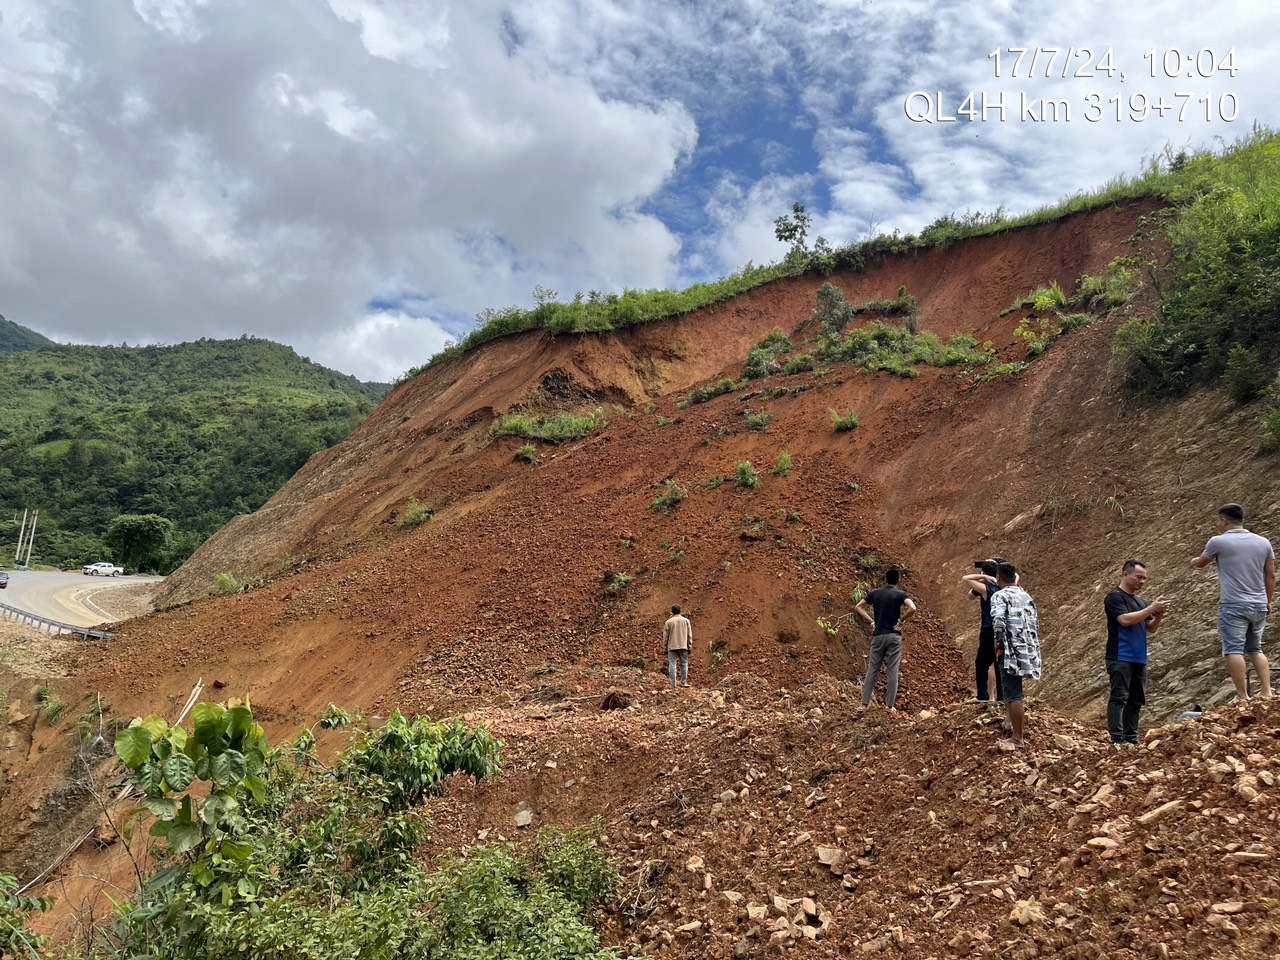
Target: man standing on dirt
pixel 983 586
pixel 886 609
pixel 1130 620
pixel 1017 629
pixel 1247 586
pixel 677 635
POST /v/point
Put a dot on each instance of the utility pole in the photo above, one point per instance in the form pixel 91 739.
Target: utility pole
pixel 22 533
pixel 31 537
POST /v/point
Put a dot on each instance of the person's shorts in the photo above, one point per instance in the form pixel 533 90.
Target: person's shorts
pixel 1010 683
pixel 1241 626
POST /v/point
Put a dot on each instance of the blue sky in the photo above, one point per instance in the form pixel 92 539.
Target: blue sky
pixel 359 178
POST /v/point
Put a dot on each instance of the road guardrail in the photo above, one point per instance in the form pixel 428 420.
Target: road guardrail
pixel 53 626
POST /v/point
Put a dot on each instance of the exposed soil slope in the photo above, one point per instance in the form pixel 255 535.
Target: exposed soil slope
pixel 1058 467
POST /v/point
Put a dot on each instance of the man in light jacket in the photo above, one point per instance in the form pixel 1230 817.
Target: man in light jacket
pixel 1017 630
pixel 677 635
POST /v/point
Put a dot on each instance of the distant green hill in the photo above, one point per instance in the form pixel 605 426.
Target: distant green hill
pixel 196 432
pixel 15 337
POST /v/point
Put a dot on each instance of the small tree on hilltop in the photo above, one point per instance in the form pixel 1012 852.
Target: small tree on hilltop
pixel 139 540
pixel 793 229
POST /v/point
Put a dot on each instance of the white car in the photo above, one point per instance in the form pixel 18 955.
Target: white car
pixel 102 569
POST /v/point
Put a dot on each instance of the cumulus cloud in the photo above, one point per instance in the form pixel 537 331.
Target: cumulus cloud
pixel 179 168
pixel 359 177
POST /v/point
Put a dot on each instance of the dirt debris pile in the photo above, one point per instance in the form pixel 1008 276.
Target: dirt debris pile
pixel 752 821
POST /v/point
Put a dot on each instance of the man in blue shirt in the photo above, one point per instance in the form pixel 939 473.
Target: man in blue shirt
pixel 1130 620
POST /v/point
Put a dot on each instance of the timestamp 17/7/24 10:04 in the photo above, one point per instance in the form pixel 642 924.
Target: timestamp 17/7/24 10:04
pixel 1084 63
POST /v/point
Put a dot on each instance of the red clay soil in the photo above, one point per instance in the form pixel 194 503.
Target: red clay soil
pixel 506 585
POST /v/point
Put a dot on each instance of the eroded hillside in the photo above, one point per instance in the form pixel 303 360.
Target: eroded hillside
pixel 1058 466
pixel 540 579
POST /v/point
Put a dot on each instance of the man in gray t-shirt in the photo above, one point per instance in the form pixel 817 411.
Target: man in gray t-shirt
pixel 1247 583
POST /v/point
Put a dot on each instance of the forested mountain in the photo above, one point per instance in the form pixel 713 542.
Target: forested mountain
pixel 14 337
pixel 196 433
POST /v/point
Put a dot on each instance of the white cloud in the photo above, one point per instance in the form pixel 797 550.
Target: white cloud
pixel 179 168
pixel 403 34
pixel 194 169
pixel 391 343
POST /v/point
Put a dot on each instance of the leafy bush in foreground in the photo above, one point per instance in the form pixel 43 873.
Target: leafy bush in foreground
pixel 309 862
pixel 745 475
pixel 414 756
pixel 16 940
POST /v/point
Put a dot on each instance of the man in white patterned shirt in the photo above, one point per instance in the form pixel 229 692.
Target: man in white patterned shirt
pixel 1017 629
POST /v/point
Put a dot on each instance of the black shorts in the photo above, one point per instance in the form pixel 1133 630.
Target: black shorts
pixel 1010 683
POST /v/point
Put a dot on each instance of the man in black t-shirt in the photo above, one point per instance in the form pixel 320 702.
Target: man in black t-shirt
pixel 983 587
pixel 1130 620
pixel 885 609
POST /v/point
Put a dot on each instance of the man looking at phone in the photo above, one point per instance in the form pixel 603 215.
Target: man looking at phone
pixel 1130 620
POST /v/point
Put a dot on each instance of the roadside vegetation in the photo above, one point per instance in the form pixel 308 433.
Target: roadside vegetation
pixel 270 853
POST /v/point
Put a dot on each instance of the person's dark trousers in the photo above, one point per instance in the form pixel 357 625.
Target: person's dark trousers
pixel 886 651
pixel 1128 694
pixel 986 658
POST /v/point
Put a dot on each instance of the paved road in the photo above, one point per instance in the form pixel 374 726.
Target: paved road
pixel 63 596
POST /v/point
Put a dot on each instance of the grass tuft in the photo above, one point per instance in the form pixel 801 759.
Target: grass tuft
pixel 670 497
pixel 415 514
pixel 557 428
pixel 744 475
pixel 843 422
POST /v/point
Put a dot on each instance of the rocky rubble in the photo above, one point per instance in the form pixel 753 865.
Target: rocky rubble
pixel 759 821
